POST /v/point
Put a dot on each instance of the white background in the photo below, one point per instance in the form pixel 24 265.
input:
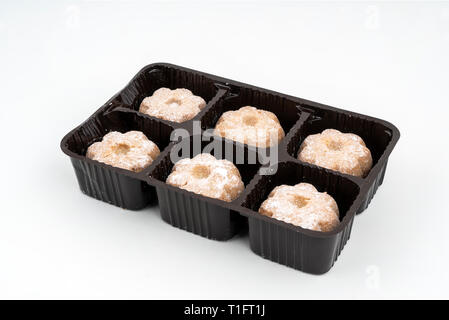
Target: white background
pixel 59 61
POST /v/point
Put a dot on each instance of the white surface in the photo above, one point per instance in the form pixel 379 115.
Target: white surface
pixel 60 61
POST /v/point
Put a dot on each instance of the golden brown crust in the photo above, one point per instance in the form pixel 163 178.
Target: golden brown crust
pixel 177 105
pixel 250 126
pixel 343 152
pixel 302 205
pixel 208 176
pixel 131 150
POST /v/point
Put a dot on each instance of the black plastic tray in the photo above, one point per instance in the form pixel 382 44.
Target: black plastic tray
pixel 310 251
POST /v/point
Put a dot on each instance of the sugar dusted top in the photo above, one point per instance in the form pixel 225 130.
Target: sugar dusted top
pixel 131 150
pixel 177 105
pixel 208 176
pixel 302 205
pixel 332 149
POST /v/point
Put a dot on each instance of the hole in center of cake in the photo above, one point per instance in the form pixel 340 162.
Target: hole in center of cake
pixel 250 120
pixel 300 201
pixel 200 171
pixel 121 148
pixel 334 145
pixel 174 101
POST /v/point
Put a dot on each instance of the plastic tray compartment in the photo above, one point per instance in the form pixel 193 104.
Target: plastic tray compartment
pixel 287 110
pixel 207 217
pixel 302 249
pixel 156 76
pixel 113 185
